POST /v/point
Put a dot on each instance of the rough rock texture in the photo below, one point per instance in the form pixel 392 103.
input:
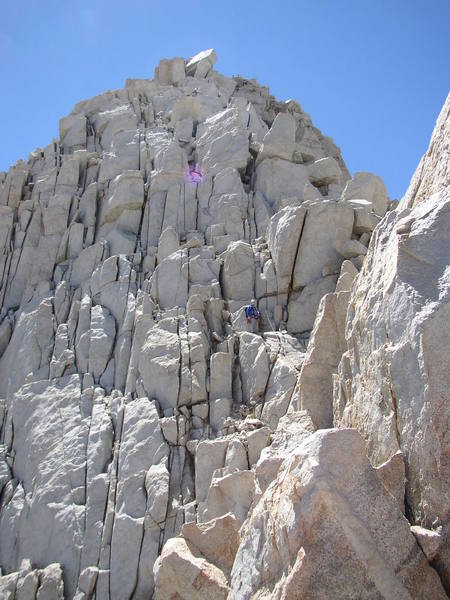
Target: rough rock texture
pixel 433 172
pixel 326 528
pixel 314 391
pixel 146 427
pixel 185 574
pixel 394 376
pixel 33 584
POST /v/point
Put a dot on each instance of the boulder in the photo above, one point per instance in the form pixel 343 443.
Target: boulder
pixel 239 272
pixel 314 391
pixel 185 574
pixel 278 391
pixel 279 141
pixel 221 375
pixel 169 282
pixel 188 110
pixel 201 64
pixel 292 429
pixel 324 171
pixel 303 305
pixel 72 131
pixel 277 179
pixel 217 540
pixel 101 340
pixel 159 365
pixel 209 456
pixel 170 71
pixel 254 365
pixel 127 193
pixel 392 475
pixel 231 493
pixel 369 187
pixel 283 236
pixel 168 243
pixel 350 248
pixel 326 527
pixel 326 224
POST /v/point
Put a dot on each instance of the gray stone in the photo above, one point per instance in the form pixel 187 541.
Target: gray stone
pixel 369 187
pixel 277 179
pixel 202 63
pixel 137 401
pixel 326 490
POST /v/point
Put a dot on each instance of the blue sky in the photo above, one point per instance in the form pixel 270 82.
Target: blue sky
pixel 372 74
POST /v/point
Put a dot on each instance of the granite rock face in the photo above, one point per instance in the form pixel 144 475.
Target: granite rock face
pixel 309 536
pixel 433 172
pixel 150 435
pixel 393 377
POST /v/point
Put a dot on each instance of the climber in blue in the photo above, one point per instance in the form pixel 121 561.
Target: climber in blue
pixel 251 312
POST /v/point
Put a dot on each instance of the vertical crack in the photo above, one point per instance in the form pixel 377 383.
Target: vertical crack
pixel 291 283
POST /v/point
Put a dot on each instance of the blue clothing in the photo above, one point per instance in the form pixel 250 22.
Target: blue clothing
pixel 251 312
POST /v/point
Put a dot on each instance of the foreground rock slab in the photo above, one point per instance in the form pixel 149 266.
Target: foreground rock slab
pixel 185 574
pixel 327 528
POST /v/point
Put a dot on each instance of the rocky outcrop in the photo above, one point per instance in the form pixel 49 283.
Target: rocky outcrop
pixel 433 172
pixel 153 442
pixel 198 563
pixel 327 528
pixel 393 377
pixel 29 583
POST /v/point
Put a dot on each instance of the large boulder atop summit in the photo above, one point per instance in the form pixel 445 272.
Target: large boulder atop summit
pixel 202 63
pixel 170 71
pixel 324 171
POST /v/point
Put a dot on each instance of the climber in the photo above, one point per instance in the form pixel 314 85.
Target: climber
pixel 252 313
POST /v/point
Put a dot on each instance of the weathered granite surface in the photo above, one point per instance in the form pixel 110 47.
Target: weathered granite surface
pixel 153 442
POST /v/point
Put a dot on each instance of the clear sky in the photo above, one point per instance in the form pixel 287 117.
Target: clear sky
pixel 373 74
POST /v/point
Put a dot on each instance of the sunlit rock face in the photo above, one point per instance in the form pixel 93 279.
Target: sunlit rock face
pixel 394 375
pixel 153 436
